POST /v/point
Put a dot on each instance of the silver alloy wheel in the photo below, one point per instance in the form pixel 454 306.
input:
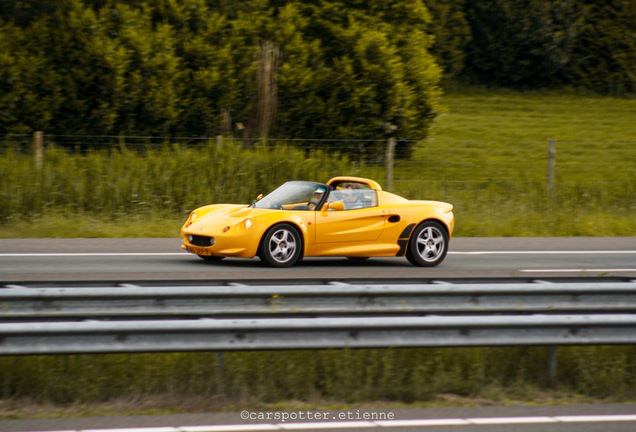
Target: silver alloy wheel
pixel 281 246
pixel 430 243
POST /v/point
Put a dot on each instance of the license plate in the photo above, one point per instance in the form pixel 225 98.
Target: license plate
pixel 199 251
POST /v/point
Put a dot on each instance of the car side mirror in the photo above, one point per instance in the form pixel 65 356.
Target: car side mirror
pixel 336 205
pixel 258 198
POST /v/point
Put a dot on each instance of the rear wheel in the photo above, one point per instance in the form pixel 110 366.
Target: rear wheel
pixel 428 245
pixel 281 246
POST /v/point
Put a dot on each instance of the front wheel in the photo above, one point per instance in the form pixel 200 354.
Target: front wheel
pixel 281 246
pixel 428 245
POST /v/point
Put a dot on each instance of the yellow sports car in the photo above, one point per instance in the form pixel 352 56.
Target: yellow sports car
pixel 347 216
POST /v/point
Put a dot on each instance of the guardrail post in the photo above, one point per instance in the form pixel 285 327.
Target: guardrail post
pixel 220 365
pixel 552 365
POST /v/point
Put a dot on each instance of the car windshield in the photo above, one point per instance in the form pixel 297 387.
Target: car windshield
pixel 294 195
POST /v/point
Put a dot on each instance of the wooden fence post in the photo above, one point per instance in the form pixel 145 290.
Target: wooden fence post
pixel 551 163
pixel 38 151
pixel 390 157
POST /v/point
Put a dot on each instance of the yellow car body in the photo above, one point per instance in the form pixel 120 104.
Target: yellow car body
pixel 347 216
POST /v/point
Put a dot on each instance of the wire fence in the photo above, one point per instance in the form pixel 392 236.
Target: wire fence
pixel 427 162
pixel 547 187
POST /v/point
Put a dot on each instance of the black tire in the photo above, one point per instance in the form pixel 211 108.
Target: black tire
pixel 428 245
pixel 211 258
pixel 281 246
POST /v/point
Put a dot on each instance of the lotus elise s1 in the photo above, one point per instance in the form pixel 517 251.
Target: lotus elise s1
pixel 347 216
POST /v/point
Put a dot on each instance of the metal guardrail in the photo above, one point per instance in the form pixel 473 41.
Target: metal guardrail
pixel 19 303
pixel 313 333
pixel 65 320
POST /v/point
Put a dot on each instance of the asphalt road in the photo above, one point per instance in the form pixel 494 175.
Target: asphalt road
pixel 565 418
pixel 162 259
pixel 32 260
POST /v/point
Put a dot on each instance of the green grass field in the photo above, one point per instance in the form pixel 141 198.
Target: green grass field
pixel 488 155
pixel 503 116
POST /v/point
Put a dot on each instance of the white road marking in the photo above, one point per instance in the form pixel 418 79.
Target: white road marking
pixel 91 254
pixel 98 254
pixel 511 420
pixel 485 421
pixel 422 423
pixel 578 270
pixel 326 425
pixel 147 429
pixel 596 419
pixel 572 252
pixel 228 428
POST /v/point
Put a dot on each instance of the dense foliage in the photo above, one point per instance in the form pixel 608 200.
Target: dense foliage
pixel 252 68
pixel 333 378
pixel 533 43
pixel 336 69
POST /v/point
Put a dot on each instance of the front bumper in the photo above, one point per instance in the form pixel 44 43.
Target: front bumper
pixel 227 245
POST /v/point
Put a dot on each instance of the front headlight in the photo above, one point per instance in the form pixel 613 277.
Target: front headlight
pixel 248 223
pixel 191 219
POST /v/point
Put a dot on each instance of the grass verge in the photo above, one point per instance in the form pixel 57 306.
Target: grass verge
pixel 189 382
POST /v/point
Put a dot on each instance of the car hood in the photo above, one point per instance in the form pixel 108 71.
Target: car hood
pixel 226 214
pixel 444 206
pixel 234 211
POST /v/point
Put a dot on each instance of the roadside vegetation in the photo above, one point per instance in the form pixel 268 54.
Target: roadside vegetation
pixel 488 155
pixel 331 379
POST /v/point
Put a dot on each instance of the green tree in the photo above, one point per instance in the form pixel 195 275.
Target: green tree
pixel 301 76
pixel 77 55
pixel 449 25
pixel 605 56
pixel 29 95
pixel 337 69
pixel 150 100
pixel 375 75
pixel 23 12
pixel 522 43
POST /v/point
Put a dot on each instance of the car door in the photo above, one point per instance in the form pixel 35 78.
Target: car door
pixel 354 225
